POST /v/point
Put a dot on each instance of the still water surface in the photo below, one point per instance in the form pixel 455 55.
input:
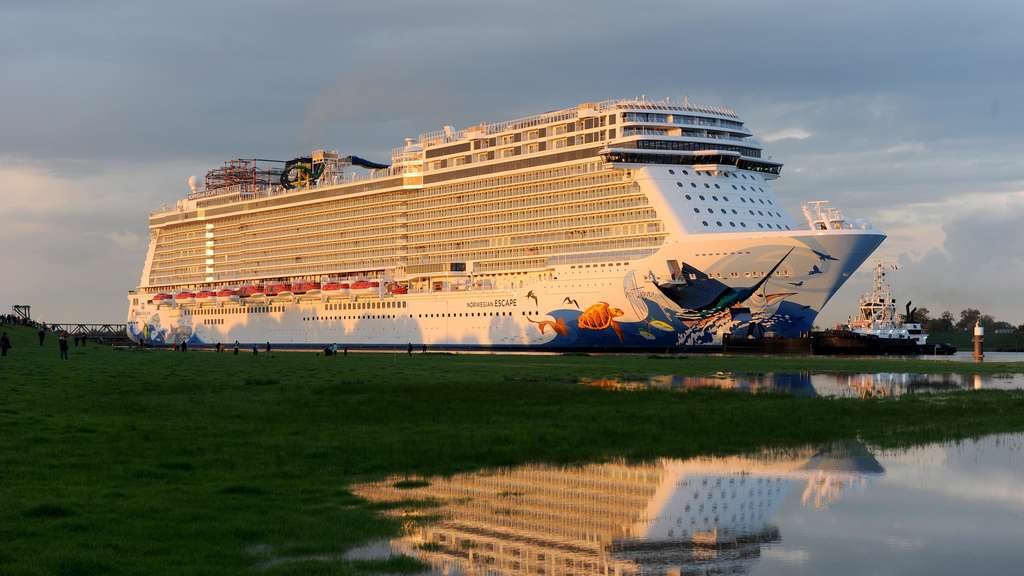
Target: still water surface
pixel 864 385
pixel 840 509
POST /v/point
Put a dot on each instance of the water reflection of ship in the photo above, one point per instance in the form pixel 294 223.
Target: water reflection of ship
pixel 666 517
pixel 794 383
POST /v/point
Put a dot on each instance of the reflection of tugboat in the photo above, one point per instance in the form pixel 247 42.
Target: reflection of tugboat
pixel 877 329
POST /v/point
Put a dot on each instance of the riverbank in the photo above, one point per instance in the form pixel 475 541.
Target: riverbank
pixel 166 463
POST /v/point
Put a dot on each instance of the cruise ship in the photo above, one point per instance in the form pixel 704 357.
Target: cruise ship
pixel 613 225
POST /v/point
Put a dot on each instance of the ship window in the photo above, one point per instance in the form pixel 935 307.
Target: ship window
pixel 761 200
pixel 742 199
pixel 686 173
pixel 671 171
pixel 706 185
pixel 733 224
pixel 769 201
pixel 717 222
pixel 734 211
pixel 744 224
pixel 761 213
pixel 787 226
pixel 680 184
pixel 715 198
pixel 701 196
pixel 710 211
pixel 693 184
pixel 688 197
pixel 744 188
pixel 697 210
pixel 759 225
pixel 704 222
pixel 717 186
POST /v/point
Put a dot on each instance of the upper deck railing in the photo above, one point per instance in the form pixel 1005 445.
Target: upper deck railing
pixel 451 135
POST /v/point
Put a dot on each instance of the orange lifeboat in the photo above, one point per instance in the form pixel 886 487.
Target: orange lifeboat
pixel 279 290
pixel 306 288
pixel 336 288
pixel 185 297
pixel 163 299
pixel 365 287
pixel 394 288
pixel 251 291
pixel 227 295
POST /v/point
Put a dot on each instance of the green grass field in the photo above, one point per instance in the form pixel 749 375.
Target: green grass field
pixel 151 462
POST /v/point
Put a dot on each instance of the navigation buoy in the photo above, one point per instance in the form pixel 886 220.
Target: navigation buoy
pixel 979 341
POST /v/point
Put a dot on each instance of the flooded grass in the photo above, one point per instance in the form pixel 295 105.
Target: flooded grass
pixel 161 463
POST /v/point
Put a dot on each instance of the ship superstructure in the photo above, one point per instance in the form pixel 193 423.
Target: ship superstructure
pixel 595 226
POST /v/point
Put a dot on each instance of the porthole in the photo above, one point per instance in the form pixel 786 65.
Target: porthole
pixel 704 222
pixel 769 201
pixel 688 197
pixel 744 188
pixel 685 173
pixel 761 213
pixel 706 185
pixel 742 199
pixel 723 211
pixel 715 198
pixel 759 225
pixel 787 226
pixel 710 211
pixel 734 211
pixel 716 185
pixel 701 196
pixel 733 186
pixel 693 184
pixel 671 171
pixel 761 200
pixel 726 198
pixel 697 210
pixel 733 224
pixel 718 222
pixel 744 224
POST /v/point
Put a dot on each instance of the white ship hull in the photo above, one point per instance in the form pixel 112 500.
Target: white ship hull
pixel 614 306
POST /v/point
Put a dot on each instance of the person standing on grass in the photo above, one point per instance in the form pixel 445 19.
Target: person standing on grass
pixel 5 344
pixel 236 347
pixel 42 334
pixel 255 350
pixel 410 349
pixel 268 347
pixel 62 343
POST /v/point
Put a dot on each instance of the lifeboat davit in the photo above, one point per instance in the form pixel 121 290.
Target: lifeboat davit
pixel 251 291
pixel 397 289
pixel 163 299
pixel 185 297
pixel 227 295
pixel 365 287
pixel 336 288
pixel 284 290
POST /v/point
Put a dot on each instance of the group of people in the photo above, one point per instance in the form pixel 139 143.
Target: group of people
pixel 62 338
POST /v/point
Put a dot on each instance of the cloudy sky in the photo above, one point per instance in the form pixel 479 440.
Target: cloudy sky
pixel 906 113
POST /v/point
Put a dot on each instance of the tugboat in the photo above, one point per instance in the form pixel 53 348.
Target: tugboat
pixel 877 329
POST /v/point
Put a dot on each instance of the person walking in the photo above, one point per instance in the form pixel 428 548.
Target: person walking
pixel 410 349
pixel 255 350
pixel 268 347
pixel 236 347
pixel 219 347
pixel 184 345
pixel 62 343
pixel 42 334
pixel 5 344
